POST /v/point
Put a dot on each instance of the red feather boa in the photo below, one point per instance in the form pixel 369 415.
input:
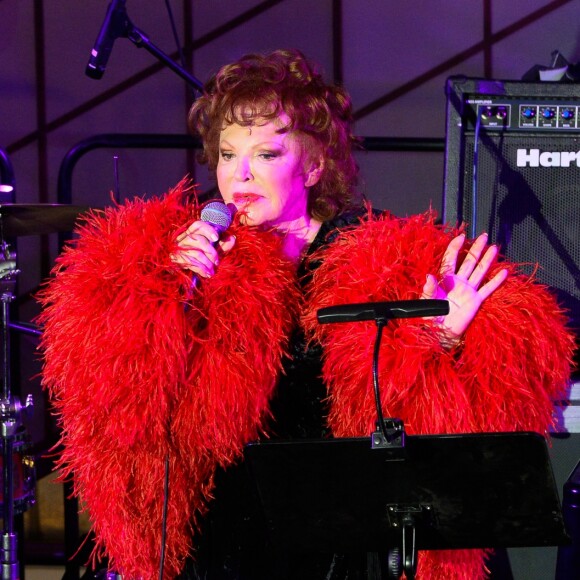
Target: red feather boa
pixel 515 359
pixel 137 372
pixel 140 367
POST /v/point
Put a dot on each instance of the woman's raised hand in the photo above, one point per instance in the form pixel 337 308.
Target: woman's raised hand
pixel 462 286
pixel 197 251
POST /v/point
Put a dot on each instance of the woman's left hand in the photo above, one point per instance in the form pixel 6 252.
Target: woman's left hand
pixel 462 287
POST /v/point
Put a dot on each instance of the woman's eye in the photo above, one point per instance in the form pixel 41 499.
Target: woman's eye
pixel 268 155
pixel 226 155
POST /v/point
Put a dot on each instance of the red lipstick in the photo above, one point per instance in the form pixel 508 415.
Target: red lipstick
pixel 240 198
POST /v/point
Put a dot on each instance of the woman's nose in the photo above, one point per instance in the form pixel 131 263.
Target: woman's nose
pixel 243 170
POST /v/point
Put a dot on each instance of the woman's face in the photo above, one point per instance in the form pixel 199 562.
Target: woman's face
pixel 265 174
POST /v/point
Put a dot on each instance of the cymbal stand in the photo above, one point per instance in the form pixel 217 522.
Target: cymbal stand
pixel 10 418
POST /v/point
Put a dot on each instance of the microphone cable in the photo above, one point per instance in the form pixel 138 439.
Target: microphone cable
pixel 190 89
pixel 175 34
pixel 164 517
pixel 475 176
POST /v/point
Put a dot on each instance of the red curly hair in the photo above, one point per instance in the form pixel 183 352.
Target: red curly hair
pixel 260 88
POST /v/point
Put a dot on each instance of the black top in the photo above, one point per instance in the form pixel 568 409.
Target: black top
pixel 298 407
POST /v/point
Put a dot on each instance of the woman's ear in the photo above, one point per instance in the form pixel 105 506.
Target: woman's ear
pixel 314 173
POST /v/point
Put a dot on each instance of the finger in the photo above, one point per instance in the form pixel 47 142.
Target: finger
pixel 186 233
pixel 199 228
pixel 208 231
pixel 449 260
pixel 493 284
pixel 227 243
pixel 181 261
pixel 201 237
pixel 196 260
pixel 198 264
pixel 429 288
pixel 472 258
pixel 197 242
pixel 483 266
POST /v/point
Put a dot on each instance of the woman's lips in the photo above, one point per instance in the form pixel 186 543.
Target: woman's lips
pixel 245 198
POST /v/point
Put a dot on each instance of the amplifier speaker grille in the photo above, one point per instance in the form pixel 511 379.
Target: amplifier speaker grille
pixel 533 213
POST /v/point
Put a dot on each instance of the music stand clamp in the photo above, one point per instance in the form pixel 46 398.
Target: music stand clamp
pixel 402 517
pixel 406 518
pixel 392 437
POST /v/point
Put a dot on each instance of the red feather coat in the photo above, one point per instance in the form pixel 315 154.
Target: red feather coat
pixel 142 368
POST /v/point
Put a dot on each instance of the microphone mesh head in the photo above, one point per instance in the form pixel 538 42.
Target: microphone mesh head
pixel 218 214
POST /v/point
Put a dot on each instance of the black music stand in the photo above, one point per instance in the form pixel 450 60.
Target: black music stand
pixel 486 490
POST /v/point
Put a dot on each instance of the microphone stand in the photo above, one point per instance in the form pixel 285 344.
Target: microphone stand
pixel 122 27
pixel 139 39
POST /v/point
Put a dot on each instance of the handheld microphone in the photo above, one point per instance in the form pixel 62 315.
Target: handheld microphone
pixel 114 26
pixel 219 216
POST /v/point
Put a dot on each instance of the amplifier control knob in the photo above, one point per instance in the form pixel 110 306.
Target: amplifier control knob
pixel 567 114
pixel 501 113
pixel 487 112
pixel 548 113
pixel 529 112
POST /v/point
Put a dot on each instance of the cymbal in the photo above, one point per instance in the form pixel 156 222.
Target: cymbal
pixel 33 219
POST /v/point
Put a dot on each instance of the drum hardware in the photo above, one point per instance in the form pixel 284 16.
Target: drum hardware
pixel 34 219
pixel 24 469
pixel 11 411
pixel 19 220
pixel 25 328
